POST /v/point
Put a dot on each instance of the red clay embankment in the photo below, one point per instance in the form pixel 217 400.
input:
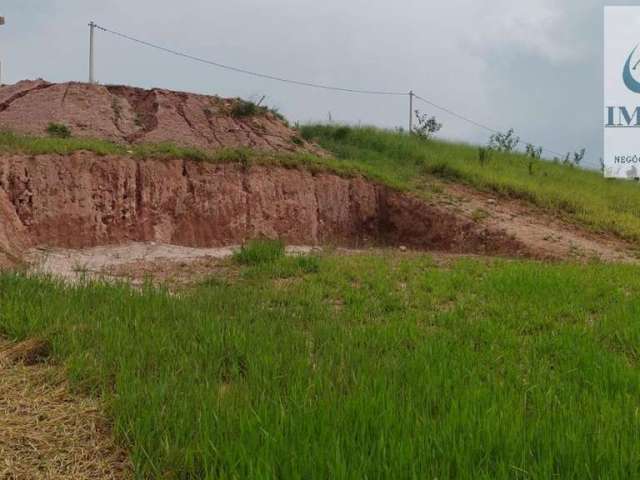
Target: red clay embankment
pixel 83 200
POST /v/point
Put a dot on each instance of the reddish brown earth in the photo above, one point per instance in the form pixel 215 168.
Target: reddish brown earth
pixel 134 115
pixel 82 200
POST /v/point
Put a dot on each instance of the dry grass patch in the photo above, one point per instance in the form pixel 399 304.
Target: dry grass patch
pixel 47 431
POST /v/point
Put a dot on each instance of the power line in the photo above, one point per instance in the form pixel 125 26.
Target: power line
pixel 473 122
pixel 303 83
pixel 248 72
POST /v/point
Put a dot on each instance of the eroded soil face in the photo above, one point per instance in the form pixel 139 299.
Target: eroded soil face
pixel 134 115
pixel 81 201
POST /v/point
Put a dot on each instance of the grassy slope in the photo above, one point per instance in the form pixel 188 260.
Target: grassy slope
pixel 359 367
pixel 581 195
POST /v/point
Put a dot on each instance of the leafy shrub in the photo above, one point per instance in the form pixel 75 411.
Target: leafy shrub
pixel 427 126
pixel 256 252
pixel 58 130
pixel 504 142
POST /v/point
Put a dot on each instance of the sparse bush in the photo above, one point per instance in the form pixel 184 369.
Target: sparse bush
pixel 427 126
pixel 578 156
pixel 504 142
pixel 533 152
pixel 58 130
pixel 297 141
pixel 256 252
pixel 244 108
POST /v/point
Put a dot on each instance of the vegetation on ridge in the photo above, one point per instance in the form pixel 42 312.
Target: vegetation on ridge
pixel 578 195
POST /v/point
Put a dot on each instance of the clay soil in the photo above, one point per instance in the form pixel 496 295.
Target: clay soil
pixel 134 115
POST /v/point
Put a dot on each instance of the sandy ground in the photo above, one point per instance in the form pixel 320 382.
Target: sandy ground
pixel 134 261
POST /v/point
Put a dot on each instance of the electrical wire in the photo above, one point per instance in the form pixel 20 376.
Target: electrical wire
pixel 473 122
pixel 303 83
pixel 249 72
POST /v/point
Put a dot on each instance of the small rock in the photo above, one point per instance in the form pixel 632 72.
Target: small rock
pixel 492 201
pixel 403 248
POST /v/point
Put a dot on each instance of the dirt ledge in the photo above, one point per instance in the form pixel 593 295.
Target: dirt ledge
pixel 82 200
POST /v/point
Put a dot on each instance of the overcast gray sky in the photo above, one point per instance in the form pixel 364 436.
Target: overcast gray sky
pixel 534 65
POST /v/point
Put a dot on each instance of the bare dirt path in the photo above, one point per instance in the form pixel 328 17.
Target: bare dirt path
pixel 546 236
pixel 135 262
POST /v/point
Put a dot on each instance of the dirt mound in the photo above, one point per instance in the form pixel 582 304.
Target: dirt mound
pixel 82 200
pixel 134 115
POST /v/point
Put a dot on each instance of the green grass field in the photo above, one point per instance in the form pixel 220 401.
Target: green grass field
pixel 360 367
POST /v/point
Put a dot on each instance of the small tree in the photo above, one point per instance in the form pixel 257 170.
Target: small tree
pixel 427 126
pixel 533 152
pixel 504 142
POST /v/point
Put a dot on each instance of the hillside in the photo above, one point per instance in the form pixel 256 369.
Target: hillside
pixel 321 302
pixel 133 115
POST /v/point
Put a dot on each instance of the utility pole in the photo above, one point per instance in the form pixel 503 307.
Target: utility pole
pixel 91 30
pixel 411 111
pixel 1 23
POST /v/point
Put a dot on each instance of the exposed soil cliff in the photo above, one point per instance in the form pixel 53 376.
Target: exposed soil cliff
pixel 83 200
pixel 134 115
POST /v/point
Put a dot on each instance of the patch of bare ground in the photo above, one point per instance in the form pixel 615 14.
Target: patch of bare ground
pixel 134 115
pixel 171 265
pixel 546 236
pixel 46 431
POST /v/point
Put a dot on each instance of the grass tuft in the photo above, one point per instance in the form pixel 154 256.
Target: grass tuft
pixel 260 251
pixel 58 130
